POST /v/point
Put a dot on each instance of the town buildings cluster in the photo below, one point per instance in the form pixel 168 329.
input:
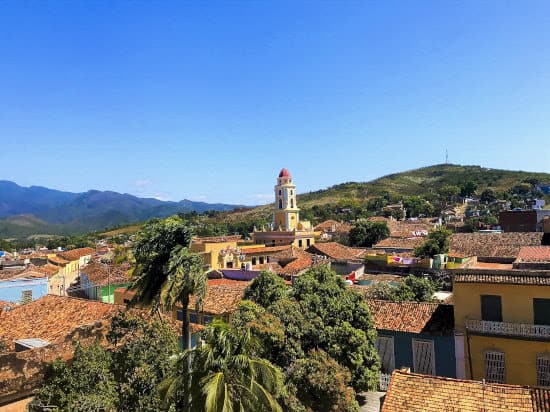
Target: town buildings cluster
pixel 482 344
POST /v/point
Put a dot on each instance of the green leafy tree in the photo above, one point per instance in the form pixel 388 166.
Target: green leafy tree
pixel 142 351
pixel 468 188
pixel 165 270
pixel 411 289
pixel 321 313
pixel 266 289
pixel 449 192
pixel 226 374
pixel 323 383
pixel 87 385
pixel 415 206
pixel 366 234
pixel 437 242
pixel 488 196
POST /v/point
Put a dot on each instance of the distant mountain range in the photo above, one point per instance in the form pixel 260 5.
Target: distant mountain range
pixel 33 210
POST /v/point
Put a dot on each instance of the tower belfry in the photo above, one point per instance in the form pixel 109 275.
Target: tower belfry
pixel 286 214
pixel 287 229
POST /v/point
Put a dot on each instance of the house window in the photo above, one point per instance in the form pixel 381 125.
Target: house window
pixel 261 260
pixel 423 356
pixel 26 297
pixel 541 311
pixel 308 242
pixel 543 370
pixel 207 319
pixel 384 347
pixel 300 243
pixel 491 308
pixel 254 260
pixel 193 318
pixel 494 367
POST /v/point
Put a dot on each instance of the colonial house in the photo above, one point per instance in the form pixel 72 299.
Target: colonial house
pixel 418 336
pixel 505 318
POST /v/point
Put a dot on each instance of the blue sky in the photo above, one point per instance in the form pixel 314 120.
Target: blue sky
pixel 208 100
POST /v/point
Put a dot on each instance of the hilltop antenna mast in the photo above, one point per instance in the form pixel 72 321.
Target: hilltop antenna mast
pixel 446 157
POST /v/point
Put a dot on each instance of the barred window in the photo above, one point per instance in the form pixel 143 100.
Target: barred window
pixel 543 370
pixel 423 356
pixel 384 347
pixel 495 370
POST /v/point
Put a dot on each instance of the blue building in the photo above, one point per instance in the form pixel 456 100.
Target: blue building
pixel 24 289
pixel 417 336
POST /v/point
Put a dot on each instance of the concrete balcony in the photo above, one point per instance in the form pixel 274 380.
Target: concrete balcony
pixel 520 330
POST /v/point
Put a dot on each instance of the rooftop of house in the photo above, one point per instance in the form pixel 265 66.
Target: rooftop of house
pixel 493 244
pixel 100 274
pixel 217 239
pixel 534 254
pixel 424 393
pixel 508 278
pixel 58 260
pixel 303 261
pixel 412 317
pixel 337 251
pixel 48 269
pixel 333 226
pixel 263 250
pixel 400 243
pixel 75 254
pixel 52 317
pixel 221 298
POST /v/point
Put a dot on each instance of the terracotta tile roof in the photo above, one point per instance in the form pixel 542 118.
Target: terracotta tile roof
pixel 423 393
pixel 217 239
pixel 75 254
pixel 296 266
pixel 493 244
pixel 336 251
pixel 58 260
pixel 509 278
pixel 101 275
pixel 534 254
pixel 270 267
pixel 412 317
pixel 52 317
pixel 4 304
pixel 400 243
pixel 264 250
pixel 221 298
pixel 48 269
pixel 212 282
pixel 333 226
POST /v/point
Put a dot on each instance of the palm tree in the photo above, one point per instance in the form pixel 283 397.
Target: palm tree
pixel 166 272
pixel 185 278
pixel 225 375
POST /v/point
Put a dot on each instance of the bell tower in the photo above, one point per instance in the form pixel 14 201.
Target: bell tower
pixel 286 215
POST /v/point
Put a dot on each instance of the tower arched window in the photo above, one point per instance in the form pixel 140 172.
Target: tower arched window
pixel 280 192
pixel 280 203
pixel 292 203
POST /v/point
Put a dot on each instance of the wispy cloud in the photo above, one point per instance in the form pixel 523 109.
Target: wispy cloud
pixel 142 183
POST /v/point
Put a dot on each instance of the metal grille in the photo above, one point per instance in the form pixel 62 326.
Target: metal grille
pixel 384 347
pixel 423 356
pixel 543 370
pixel 495 367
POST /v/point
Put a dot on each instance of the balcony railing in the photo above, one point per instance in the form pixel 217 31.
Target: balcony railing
pixel 524 330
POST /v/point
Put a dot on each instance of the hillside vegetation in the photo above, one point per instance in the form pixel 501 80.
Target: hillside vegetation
pixel 425 183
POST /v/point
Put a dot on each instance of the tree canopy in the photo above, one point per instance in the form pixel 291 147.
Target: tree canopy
pixel 322 327
pixel 366 234
pixel 438 241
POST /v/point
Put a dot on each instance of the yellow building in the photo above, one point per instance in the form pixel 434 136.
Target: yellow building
pixel 220 252
pixel 286 228
pixel 505 319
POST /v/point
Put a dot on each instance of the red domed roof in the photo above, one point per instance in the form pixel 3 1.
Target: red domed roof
pixel 284 173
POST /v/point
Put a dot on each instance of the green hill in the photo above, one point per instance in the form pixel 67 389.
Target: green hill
pixel 424 182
